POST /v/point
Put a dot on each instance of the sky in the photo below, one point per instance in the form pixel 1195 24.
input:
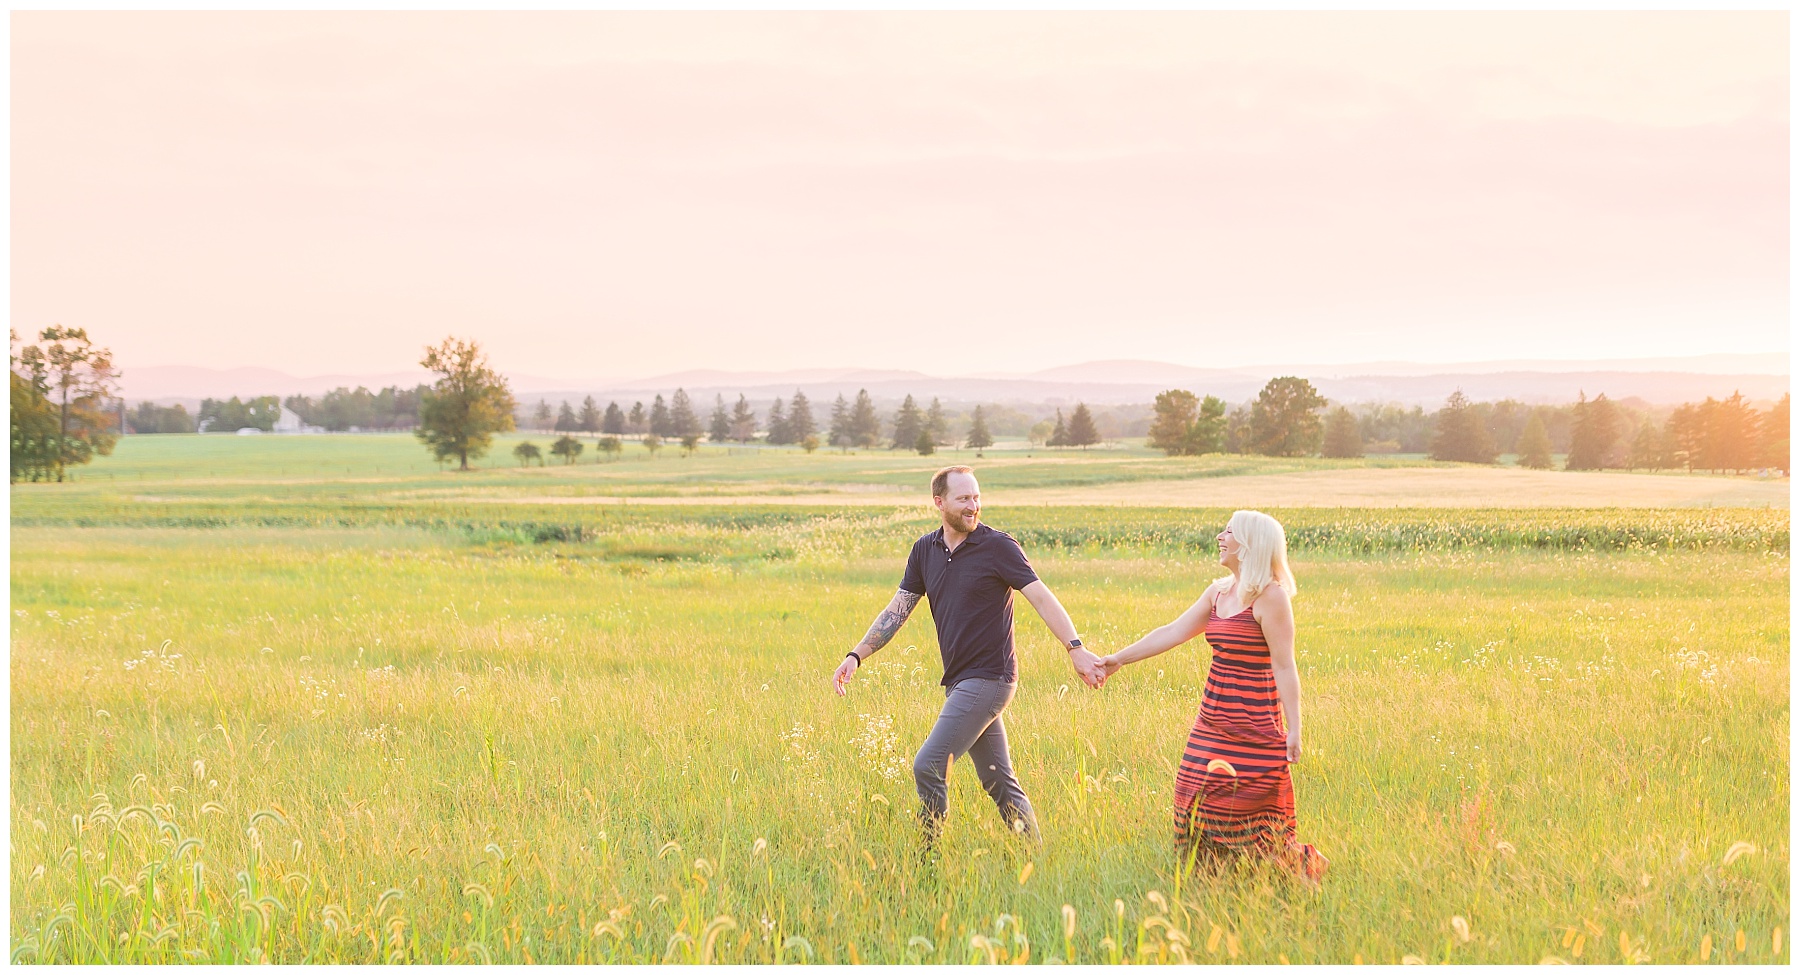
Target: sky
pixel 613 195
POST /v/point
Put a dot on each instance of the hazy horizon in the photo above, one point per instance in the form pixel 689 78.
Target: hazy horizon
pixel 949 193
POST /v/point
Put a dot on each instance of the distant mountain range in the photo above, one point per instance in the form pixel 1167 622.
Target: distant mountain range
pixel 1759 377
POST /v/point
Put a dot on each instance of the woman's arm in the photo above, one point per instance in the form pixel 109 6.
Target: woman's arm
pixel 1167 636
pixel 1275 613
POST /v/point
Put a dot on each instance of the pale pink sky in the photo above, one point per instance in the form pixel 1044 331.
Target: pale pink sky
pixel 623 194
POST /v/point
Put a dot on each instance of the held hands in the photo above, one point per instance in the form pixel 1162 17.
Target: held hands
pixel 1110 665
pixel 845 671
pixel 1087 666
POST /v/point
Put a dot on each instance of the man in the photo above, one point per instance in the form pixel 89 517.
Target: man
pixel 969 571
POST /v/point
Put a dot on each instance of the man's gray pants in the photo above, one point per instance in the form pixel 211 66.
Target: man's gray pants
pixel 970 724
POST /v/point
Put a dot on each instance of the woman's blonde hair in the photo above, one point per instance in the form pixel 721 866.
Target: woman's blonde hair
pixel 1262 555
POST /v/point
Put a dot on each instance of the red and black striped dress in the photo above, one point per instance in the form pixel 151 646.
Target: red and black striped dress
pixel 1247 803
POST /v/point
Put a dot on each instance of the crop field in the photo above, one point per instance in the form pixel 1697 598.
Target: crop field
pixel 271 702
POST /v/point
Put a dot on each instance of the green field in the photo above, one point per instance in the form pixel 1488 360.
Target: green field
pixel 278 700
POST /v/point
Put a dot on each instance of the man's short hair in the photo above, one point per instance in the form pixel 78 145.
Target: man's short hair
pixel 940 482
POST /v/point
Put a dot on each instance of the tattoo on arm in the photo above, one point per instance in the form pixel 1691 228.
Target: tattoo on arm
pixel 891 619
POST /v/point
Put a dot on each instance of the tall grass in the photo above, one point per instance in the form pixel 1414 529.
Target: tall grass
pixel 333 732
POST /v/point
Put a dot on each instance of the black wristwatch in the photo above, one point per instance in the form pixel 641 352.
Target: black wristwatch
pixel 1074 644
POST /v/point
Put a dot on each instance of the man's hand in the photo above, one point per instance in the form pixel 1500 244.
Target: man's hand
pixel 1088 666
pixel 845 671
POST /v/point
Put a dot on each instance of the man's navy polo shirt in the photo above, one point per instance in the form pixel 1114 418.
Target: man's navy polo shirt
pixel 970 591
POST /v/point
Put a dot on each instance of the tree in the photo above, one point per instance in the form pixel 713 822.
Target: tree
pixel 614 421
pixel 590 416
pixel 924 444
pixel 468 404
pixel 800 424
pixel 1533 445
pixel 1596 431
pixel 690 442
pixel 1081 428
pixel 811 443
pixel 527 452
pixel 865 423
pixel 609 445
pixel 1284 420
pixel 1039 433
pixel 659 419
pixel 778 423
pixel 566 447
pixel 1059 435
pixel 1342 439
pixel 259 413
pixel 1207 434
pixel 1687 436
pixel 743 421
pixel 720 430
pixel 1772 448
pixel 1461 436
pixel 682 418
pixel 908 422
pixel 637 421
pixel 1176 410
pixel 839 434
pixel 1238 431
pixel 1647 449
pixel 150 418
pixel 75 380
pixel 566 422
pixel 936 423
pixel 542 417
pixel 978 438
pixel 1733 434
pixel 652 443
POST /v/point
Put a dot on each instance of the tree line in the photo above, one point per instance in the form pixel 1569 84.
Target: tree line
pixel 1288 418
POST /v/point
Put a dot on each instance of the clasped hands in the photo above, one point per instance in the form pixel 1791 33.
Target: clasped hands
pixel 1093 669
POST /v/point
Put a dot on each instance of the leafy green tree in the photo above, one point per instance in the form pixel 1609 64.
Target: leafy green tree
pixel 610 446
pixel 590 416
pixel 1059 435
pixel 151 418
pixel 1597 431
pixel 468 404
pixel 1732 434
pixel 566 447
pixel 865 423
pixel 924 444
pixel 1039 433
pixel 721 421
pixel 811 443
pixel 1284 420
pixel 689 443
pixel 566 421
pixel 1207 433
pixel 743 421
pixel 1176 410
pixel 660 423
pixel 527 452
pixel 614 421
pixel 1461 436
pixel 542 418
pixel 908 422
pixel 652 443
pixel 1342 439
pixel 1533 445
pixel 800 422
pixel 1081 431
pixel 227 416
pixel 978 438
pixel 779 428
pixel 637 421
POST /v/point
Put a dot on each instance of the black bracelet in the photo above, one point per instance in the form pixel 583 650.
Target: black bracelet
pixel 858 659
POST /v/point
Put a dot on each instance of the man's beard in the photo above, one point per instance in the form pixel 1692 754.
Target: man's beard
pixel 965 522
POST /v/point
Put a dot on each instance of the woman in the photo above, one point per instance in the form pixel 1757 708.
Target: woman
pixel 1234 774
